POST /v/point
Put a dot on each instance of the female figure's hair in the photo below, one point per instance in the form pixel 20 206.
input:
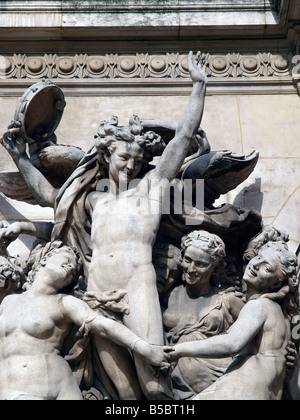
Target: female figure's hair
pixel 109 133
pixel 209 242
pixel 42 252
pixel 269 233
pixel 287 295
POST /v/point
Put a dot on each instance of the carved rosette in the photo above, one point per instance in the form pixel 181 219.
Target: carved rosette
pixel 35 67
pixel 96 66
pixel 219 66
pixel 115 66
pixel 7 68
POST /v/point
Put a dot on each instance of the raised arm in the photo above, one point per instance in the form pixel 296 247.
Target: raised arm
pixel 79 313
pixel 177 149
pixel 240 334
pixel 38 184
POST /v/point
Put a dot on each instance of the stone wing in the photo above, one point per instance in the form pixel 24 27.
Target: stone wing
pixel 222 172
pixel 13 186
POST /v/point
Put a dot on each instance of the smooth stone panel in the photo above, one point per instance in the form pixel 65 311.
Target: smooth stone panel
pixel 270 124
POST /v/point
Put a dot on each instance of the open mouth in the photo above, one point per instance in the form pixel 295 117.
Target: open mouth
pixel 252 272
pixel 192 277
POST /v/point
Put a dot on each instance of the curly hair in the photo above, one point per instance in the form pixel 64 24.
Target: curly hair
pixel 288 291
pixel 268 233
pixel 209 242
pixel 109 133
pixel 43 251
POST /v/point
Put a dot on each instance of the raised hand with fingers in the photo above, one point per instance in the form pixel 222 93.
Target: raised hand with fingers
pixel 197 67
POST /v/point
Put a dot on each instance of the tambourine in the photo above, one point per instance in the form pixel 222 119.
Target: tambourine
pixel 39 111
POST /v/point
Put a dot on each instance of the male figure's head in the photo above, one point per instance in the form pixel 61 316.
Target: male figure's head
pixel 124 151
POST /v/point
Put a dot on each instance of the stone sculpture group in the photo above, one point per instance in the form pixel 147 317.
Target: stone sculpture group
pixel 139 290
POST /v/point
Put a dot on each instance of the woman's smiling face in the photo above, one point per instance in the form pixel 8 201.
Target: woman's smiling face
pixel 197 264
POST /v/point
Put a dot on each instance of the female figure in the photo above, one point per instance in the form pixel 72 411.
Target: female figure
pixel 259 336
pixel 197 310
pixel 34 324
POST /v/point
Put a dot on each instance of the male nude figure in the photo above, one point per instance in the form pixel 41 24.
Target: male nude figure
pixel 123 235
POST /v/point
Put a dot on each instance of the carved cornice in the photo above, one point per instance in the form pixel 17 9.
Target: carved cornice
pixel 143 19
pixel 89 6
pixel 142 65
pixel 227 73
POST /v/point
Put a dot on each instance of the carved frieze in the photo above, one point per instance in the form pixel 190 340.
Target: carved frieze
pixel 149 73
pixel 141 65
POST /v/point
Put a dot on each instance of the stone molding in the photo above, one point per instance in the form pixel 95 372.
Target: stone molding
pixel 130 18
pixel 128 6
pixel 296 80
pixel 227 73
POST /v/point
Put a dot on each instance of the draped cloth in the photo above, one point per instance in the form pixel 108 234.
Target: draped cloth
pixel 192 375
pixel 73 220
pixel 234 225
pixel 81 354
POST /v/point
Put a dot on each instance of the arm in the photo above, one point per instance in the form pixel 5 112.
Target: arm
pixel 38 184
pixel 79 313
pixel 177 149
pixel 41 230
pixel 242 332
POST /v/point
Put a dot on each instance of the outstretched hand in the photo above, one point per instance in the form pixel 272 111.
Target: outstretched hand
pixel 10 232
pixel 197 67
